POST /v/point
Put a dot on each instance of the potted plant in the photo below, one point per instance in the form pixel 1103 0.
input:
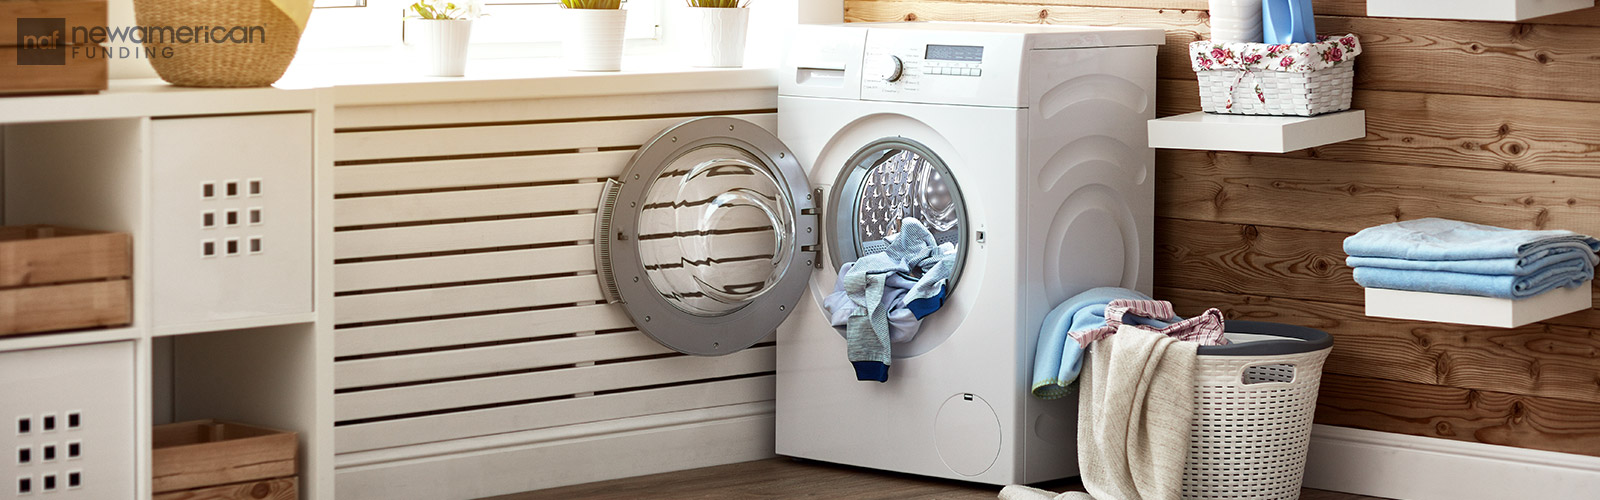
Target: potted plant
pixel 594 36
pixel 721 38
pixel 438 32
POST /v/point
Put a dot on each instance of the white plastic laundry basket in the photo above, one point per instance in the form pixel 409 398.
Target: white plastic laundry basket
pixel 1253 404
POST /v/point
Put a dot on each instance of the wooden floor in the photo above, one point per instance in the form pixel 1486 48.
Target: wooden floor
pixel 789 478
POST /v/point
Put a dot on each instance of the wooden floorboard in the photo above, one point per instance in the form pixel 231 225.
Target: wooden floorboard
pixel 790 478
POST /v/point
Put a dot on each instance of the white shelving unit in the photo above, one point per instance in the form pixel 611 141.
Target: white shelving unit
pixel 1255 134
pixel 95 162
pixel 1481 311
pixel 108 161
pixel 1474 10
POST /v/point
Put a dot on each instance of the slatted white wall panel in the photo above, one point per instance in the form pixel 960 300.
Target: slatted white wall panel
pixel 468 308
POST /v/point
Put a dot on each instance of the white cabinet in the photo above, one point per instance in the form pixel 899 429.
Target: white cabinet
pixel 232 219
pixel 69 420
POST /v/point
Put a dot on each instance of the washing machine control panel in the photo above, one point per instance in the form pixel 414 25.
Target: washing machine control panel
pixel 941 67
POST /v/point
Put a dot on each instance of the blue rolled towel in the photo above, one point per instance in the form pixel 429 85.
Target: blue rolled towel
pixel 1443 239
pixel 1573 273
pixel 1058 358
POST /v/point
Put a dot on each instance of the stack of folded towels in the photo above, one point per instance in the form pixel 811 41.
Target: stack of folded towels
pixel 1461 258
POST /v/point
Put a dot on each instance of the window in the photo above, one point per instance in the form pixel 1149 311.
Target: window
pixel 375 23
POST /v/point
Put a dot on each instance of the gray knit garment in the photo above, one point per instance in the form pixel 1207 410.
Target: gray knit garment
pixel 913 252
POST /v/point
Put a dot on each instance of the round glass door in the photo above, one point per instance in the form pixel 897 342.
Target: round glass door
pixel 713 230
pixel 712 236
pixel 885 183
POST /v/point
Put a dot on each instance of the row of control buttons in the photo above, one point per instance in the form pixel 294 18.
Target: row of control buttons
pixel 955 71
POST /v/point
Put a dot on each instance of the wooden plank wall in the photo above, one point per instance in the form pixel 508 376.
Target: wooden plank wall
pixel 1497 123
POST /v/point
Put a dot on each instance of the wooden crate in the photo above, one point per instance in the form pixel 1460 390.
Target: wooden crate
pixel 213 459
pixel 85 66
pixel 55 278
pixel 284 488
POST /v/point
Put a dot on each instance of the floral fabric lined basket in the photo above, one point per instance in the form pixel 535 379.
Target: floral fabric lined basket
pixel 1299 79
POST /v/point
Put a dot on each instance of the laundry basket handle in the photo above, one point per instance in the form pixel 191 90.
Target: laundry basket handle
pixel 1242 378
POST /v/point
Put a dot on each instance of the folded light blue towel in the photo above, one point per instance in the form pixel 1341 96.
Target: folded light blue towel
pixel 1058 358
pixel 1447 256
pixel 1443 239
pixel 1573 273
pixel 1510 266
pixel 914 252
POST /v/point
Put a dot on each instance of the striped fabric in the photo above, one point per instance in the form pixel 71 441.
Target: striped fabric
pixel 1205 329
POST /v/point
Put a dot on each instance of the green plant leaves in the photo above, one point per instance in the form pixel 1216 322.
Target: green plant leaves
pixel 592 4
pixel 440 10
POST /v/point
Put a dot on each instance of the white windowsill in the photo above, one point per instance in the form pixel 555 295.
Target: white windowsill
pixel 520 78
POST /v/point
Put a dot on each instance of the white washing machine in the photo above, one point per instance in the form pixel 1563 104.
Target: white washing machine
pixel 1022 145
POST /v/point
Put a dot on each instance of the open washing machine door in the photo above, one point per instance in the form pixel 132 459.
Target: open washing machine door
pixel 710 236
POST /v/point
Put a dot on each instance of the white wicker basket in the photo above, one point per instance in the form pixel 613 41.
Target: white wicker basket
pixel 1282 93
pixel 1303 79
pixel 1253 404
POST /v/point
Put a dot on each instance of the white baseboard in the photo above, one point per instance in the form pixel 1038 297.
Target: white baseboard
pixel 561 456
pixel 1409 467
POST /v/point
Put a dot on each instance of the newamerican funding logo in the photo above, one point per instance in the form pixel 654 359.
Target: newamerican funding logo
pixel 49 41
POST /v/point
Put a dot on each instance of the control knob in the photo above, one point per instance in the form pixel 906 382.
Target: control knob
pixel 888 68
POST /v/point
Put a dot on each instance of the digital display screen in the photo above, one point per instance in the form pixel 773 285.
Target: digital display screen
pixel 964 53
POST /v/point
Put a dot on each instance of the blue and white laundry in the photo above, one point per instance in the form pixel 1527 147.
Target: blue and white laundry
pixel 904 322
pixel 1454 257
pixel 1058 358
pixel 879 290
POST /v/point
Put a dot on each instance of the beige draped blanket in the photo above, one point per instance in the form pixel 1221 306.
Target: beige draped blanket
pixel 1134 409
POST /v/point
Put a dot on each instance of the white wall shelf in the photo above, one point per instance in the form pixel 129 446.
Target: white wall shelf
pixel 1480 311
pixel 1473 10
pixel 1255 134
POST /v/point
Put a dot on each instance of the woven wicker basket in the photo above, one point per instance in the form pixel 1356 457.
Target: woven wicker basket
pixel 1297 79
pixel 1253 403
pixel 256 63
pixel 1282 94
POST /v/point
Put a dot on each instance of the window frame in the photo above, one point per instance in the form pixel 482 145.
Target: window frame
pixel 511 28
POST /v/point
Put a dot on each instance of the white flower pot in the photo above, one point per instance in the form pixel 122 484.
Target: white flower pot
pixel 439 46
pixel 720 41
pixel 593 40
pixel 1236 21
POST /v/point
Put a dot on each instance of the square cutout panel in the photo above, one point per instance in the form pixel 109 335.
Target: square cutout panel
pixel 242 156
pixel 60 388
